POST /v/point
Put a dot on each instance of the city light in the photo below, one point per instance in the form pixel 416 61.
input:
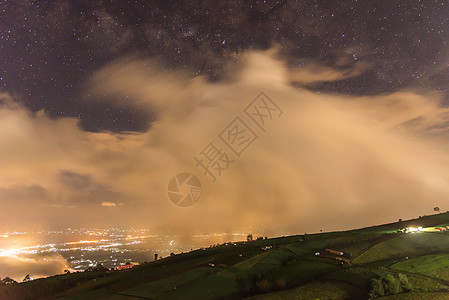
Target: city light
pixel 114 248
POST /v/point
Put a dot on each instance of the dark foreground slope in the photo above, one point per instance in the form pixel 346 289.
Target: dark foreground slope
pixel 378 262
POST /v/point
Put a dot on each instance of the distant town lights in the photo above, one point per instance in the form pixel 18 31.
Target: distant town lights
pixel 9 252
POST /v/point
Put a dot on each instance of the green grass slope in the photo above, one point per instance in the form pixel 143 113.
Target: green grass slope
pixel 405 245
pixel 377 262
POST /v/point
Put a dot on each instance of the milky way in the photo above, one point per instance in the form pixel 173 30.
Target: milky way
pixel 48 48
pixel 103 102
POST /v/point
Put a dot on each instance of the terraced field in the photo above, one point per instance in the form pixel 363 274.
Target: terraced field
pixel 378 262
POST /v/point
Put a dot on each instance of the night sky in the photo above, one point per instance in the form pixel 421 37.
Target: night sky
pixel 103 102
pixel 49 48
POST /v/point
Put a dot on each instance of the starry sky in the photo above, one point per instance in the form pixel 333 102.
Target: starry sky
pixel 48 48
pixel 103 102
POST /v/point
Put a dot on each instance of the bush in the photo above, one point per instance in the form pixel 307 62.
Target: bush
pixel 392 285
pixel 376 288
pixel 263 286
pixel 406 286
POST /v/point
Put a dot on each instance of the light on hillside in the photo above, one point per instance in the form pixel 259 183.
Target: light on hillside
pixel 415 229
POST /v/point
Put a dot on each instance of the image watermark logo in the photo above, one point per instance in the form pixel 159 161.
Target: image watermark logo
pixel 184 189
pixel 213 161
pixel 262 110
pixel 238 136
pixel 219 154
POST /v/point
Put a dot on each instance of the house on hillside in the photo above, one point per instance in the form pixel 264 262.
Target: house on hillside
pixel 337 255
pixel 340 253
pixel 125 266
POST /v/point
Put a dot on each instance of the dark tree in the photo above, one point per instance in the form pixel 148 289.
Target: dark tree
pixel 7 280
pixel 376 288
pixel 405 284
pixel 392 285
pixel 100 267
pixel 249 238
pixel 27 278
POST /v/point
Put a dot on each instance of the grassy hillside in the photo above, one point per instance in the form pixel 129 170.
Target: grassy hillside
pixel 378 262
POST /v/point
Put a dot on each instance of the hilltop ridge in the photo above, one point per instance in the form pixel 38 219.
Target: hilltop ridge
pixel 398 260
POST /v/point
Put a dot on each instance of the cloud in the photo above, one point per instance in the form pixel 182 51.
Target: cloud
pixel 329 162
pixel 76 181
pixel 39 266
pixel 312 72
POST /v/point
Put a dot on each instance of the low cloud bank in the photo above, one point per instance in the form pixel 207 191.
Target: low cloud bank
pixel 329 162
